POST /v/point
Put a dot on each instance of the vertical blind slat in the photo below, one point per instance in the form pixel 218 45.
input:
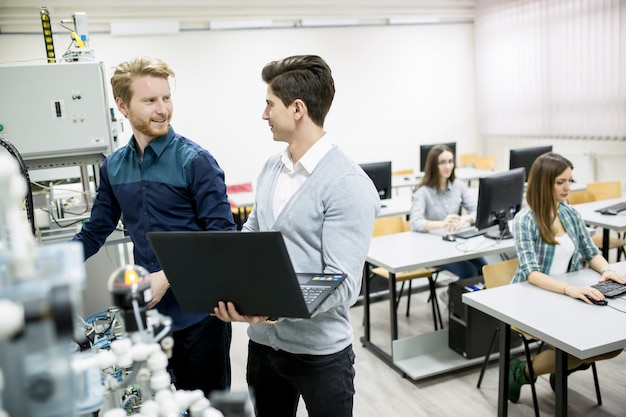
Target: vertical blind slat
pixel 551 67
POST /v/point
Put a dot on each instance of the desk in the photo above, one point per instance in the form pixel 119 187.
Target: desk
pixel 470 174
pixel 243 202
pixel 583 334
pixel 242 199
pixel 464 173
pixel 606 221
pixel 398 206
pixel 400 181
pixel 423 355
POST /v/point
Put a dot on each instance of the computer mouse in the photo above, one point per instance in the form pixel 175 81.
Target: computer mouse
pixel 609 211
pixel 597 302
pixel 449 238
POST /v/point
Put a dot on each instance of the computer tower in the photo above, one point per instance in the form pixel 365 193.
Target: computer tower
pixel 469 330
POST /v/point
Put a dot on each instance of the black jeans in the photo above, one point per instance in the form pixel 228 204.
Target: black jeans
pixel 201 357
pixel 277 379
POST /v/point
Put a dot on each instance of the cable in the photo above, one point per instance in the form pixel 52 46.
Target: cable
pixel 464 247
pixel 75 222
pixel 612 305
pixel 138 319
pixel 85 194
pixel 30 210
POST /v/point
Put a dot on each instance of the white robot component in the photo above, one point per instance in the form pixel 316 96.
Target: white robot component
pixel 39 289
pixel 79 50
pixel 42 374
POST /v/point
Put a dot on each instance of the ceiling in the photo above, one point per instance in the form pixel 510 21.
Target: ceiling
pixel 22 16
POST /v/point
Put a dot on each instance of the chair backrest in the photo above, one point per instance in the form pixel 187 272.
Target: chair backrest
pixel 467 159
pixel 500 273
pixel 485 162
pixel 580 196
pixel 409 171
pixel 388 225
pixel 605 189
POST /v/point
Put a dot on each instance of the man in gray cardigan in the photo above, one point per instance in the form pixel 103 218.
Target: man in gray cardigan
pixel 325 207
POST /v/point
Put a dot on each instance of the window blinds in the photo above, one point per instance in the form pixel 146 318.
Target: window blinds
pixel 551 68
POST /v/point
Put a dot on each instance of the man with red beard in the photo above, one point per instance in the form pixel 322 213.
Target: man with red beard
pixel 162 181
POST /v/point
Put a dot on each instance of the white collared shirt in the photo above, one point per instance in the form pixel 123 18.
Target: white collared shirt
pixel 292 176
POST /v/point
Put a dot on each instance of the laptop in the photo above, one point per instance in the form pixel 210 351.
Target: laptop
pixel 251 269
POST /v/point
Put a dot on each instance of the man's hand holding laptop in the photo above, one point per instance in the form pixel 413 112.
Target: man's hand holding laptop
pixel 228 313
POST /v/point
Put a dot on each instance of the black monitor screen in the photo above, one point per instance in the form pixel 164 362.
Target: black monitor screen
pixel 380 173
pixel 424 149
pixel 500 197
pixel 524 157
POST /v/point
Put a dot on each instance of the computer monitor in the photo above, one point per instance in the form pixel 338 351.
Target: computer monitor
pixel 380 173
pixel 500 197
pixel 524 157
pixel 424 149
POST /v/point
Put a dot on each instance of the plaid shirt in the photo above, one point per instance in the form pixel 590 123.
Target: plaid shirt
pixel 536 255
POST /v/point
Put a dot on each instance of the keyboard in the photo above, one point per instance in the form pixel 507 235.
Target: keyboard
pixel 312 292
pixel 471 232
pixel 610 288
pixel 615 208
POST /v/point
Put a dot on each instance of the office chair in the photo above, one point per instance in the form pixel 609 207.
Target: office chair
pixel 607 190
pixel 578 197
pixel 499 274
pixel 485 162
pixel 602 191
pixel 404 172
pixel 240 213
pixel 397 224
pixel 467 159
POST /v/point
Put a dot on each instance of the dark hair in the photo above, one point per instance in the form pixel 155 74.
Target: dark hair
pixel 304 77
pixel 431 169
pixel 540 193
pixel 126 72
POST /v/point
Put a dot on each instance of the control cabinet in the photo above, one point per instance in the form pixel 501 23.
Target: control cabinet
pixel 56 114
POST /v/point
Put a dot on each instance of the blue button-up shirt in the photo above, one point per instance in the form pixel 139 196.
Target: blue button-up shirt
pixel 177 185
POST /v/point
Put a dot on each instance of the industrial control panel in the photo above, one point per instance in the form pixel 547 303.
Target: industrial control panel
pixel 56 114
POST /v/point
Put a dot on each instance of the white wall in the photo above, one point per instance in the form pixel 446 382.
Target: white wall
pixel 397 86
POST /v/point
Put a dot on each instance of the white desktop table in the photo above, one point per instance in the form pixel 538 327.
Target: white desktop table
pixel 396 206
pixel 242 199
pixel 579 329
pixel 468 174
pixel 428 354
pixel 606 221
pixel 400 181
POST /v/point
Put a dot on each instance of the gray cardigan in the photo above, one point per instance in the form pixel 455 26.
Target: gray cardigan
pixel 327 226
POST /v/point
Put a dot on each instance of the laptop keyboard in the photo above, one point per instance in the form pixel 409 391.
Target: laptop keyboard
pixel 311 292
pixel 610 288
